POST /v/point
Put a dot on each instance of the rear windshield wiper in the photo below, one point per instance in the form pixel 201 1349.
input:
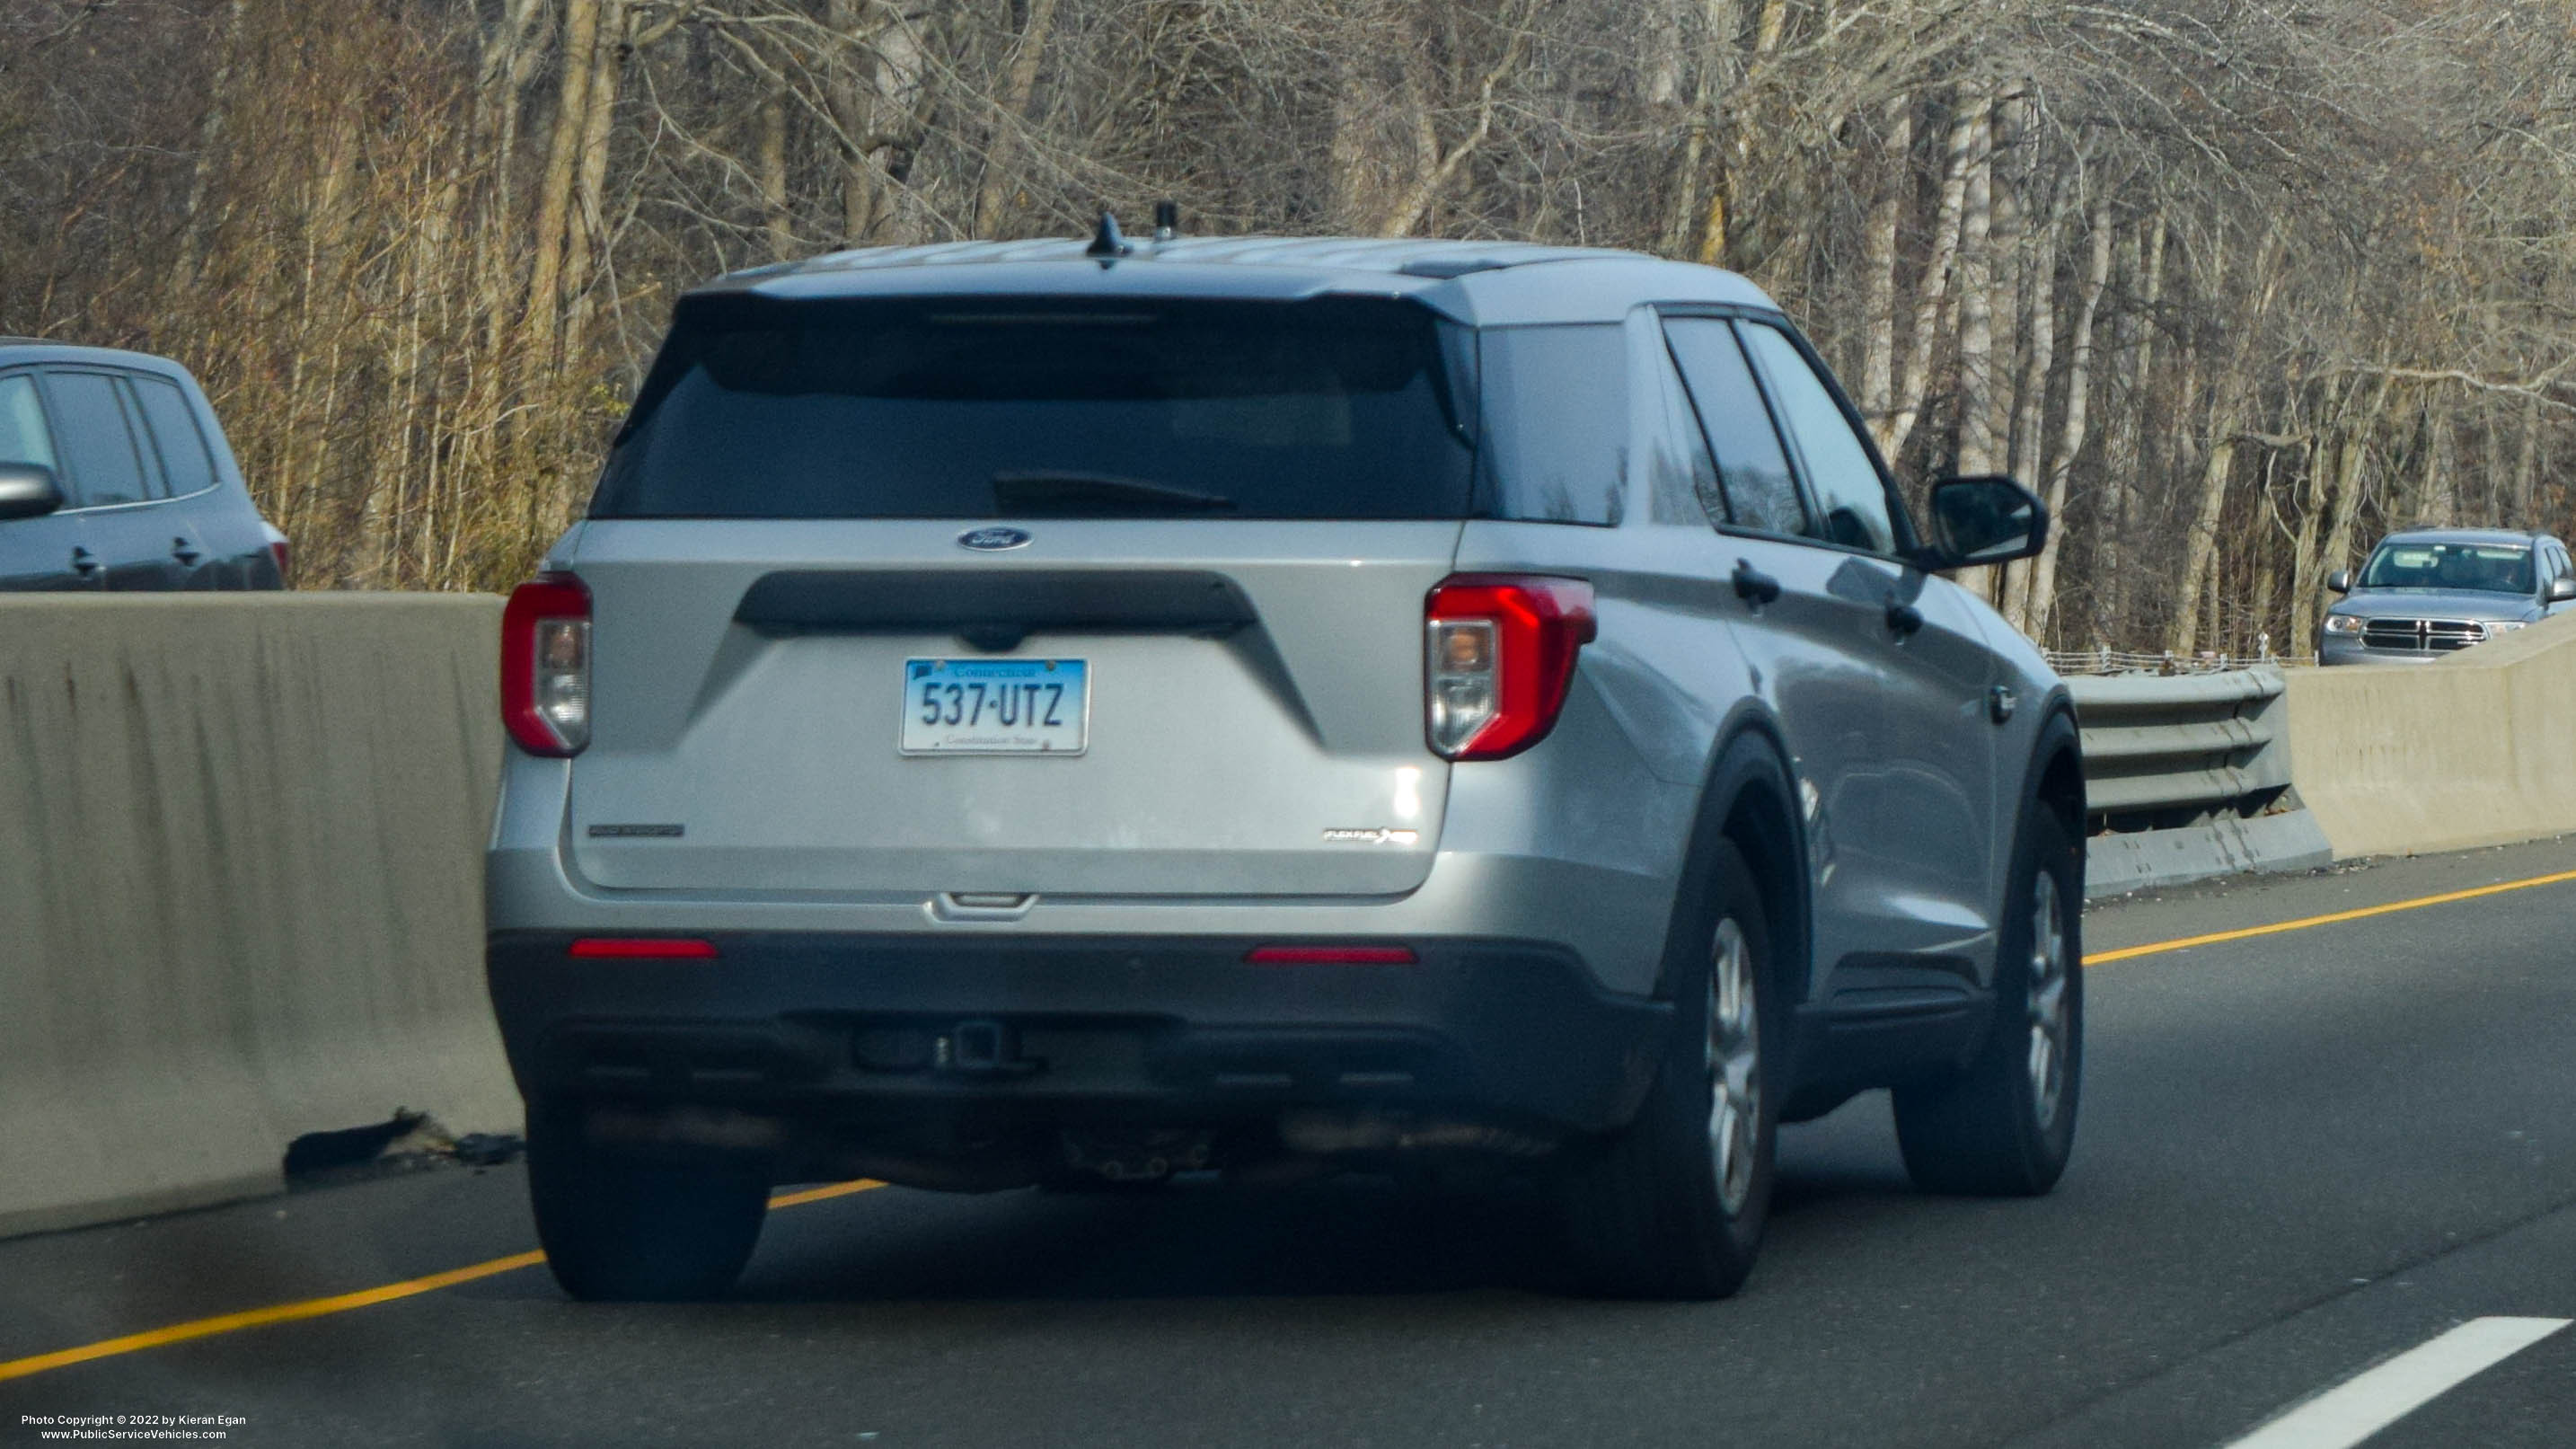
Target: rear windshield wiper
pixel 1062 492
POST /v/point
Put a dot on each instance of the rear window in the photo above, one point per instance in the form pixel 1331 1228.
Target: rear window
pixel 997 408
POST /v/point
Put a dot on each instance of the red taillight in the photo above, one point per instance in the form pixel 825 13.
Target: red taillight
pixel 545 665
pixel 1330 956
pixel 1498 654
pixel 642 948
pixel 284 553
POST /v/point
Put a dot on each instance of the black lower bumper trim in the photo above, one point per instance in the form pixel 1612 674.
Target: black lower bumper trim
pixel 1069 1031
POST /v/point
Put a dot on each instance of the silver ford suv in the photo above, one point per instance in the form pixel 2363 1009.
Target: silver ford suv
pixel 1071 715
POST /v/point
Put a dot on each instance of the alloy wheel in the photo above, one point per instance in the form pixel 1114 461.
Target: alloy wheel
pixel 1734 1065
pixel 2047 998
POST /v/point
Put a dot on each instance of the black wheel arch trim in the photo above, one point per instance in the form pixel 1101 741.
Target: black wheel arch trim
pixel 1752 755
pixel 2059 736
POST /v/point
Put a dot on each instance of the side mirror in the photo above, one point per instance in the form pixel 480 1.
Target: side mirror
pixel 2562 589
pixel 28 490
pixel 2340 581
pixel 1983 521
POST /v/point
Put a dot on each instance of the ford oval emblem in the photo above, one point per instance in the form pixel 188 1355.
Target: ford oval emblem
pixel 993 540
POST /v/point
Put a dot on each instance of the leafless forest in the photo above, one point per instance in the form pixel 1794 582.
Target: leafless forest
pixel 2236 285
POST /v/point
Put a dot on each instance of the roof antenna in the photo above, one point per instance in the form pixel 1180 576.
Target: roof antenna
pixel 1167 220
pixel 1109 243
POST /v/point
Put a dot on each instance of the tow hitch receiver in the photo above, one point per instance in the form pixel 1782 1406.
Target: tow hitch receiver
pixel 983 1048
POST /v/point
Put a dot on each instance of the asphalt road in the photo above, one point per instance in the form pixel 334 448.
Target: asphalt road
pixel 2301 1154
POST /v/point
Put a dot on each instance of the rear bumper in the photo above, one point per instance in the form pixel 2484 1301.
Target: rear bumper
pixel 1036 1031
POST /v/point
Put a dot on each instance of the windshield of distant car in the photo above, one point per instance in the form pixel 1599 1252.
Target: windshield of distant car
pixel 2487 568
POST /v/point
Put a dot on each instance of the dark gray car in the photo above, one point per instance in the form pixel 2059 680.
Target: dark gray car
pixel 2431 592
pixel 114 475
pixel 1027 713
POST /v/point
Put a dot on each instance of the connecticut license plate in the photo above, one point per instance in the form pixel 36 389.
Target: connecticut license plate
pixel 996 706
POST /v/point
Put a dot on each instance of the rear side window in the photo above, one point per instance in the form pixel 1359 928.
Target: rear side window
pixel 1681 472
pixel 1556 422
pixel 1014 407
pixel 185 459
pixel 94 439
pixel 24 437
pixel 1846 483
pixel 1753 469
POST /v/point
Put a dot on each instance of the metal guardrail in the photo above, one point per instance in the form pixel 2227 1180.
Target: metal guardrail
pixel 2074 662
pixel 2162 752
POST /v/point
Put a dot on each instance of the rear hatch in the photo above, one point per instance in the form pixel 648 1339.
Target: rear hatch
pixel 1000 598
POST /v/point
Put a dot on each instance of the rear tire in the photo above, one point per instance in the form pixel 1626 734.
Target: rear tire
pixel 1673 1205
pixel 620 1228
pixel 2006 1126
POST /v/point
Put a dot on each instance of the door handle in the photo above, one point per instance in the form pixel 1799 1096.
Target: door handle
pixel 1754 586
pixel 83 561
pixel 1903 619
pixel 184 551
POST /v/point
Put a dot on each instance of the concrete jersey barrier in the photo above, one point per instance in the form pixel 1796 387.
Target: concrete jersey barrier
pixel 240 887
pixel 2478 748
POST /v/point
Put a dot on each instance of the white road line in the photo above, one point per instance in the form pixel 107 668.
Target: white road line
pixel 2376 1398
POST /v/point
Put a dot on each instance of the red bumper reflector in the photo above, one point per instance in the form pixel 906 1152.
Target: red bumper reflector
pixel 1330 956
pixel 642 948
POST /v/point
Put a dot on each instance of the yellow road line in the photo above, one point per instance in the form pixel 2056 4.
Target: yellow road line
pixel 2418 903
pixel 817 1194
pixel 338 1303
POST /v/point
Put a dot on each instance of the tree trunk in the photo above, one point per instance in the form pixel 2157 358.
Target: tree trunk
pixel 2437 500
pixel 2526 466
pixel 198 222
pixel 586 237
pixel 2200 550
pixel 1897 426
pixel 2009 297
pixel 2124 457
pixel 1878 267
pixel 1728 117
pixel 776 219
pixel 1352 153
pixel 1000 158
pixel 900 105
pixel 2230 392
pixel 2039 600
pixel 2038 353
pixel 510 62
pixel 845 95
pixel 1434 167
pixel 2323 458
pixel 1976 301
pixel 542 315
pixel 2350 474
